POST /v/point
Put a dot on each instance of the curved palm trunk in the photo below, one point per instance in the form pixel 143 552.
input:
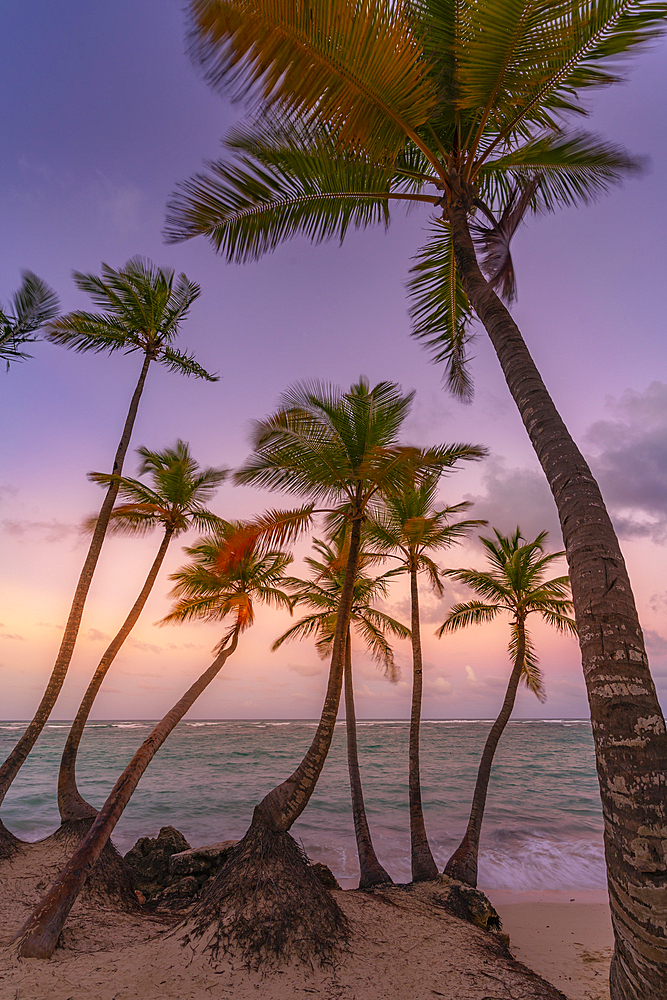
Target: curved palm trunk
pixel 12 765
pixel 463 862
pixel 371 871
pixel 284 804
pixel 628 725
pixel 9 844
pixel 424 867
pixel 70 803
pixel 39 935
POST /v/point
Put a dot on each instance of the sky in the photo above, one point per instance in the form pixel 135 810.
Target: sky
pixel 102 114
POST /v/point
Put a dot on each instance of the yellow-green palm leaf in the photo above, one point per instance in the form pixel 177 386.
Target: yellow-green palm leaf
pixel 356 66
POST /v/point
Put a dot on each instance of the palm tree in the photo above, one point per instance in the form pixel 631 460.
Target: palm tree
pixel 143 309
pixel 34 304
pixel 407 528
pixel 322 595
pixel 464 107
pixel 339 449
pixel 204 593
pixel 176 499
pixel 515 584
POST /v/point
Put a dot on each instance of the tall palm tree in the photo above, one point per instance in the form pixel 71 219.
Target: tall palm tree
pixel 466 107
pixel 33 305
pixel 175 500
pixel 203 592
pixel 408 527
pixel 143 309
pixel 514 585
pixel 322 595
pixel 337 449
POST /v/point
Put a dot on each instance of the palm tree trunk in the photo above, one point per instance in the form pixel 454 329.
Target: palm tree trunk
pixel 424 867
pixel 284 804
pixel 12 765
pixel 371 871
pixel 70 803
pixel 628 725
pixel 9 844
pixel 39 935
pixel 463 862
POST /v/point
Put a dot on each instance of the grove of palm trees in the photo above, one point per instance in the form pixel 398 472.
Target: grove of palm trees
pixel 368 787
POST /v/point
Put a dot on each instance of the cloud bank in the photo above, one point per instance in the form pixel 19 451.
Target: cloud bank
pixel 628 455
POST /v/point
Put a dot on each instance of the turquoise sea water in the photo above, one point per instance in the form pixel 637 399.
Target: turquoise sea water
pixel 542 828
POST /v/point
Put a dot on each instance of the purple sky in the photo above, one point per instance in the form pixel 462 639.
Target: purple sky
pixel 102 115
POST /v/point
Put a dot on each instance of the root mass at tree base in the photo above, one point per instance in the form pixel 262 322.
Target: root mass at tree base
pixel 267 905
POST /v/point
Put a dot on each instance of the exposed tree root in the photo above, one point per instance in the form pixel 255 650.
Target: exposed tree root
pixel 9 844
pixel 267 905
pixel 111 881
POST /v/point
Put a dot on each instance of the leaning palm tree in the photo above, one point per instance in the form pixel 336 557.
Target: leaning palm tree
pixel 514 585
pixel 322 595
pixel 203 592
pixel 142 311
pixel 407 528
pixel 340 451
pixel 175 501
pixel 33 305
pixel 465 107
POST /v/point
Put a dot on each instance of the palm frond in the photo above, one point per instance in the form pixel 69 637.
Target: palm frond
pixel 496 261
pixel 357 67
pixel 246 210
pixel 572 46
pixel 34 304
pixel 377 645
pixel 175 499
pixel 470 613
pixel 559 621
pixel 142 310
pixel 282 527
pixel 330 445
pixel 484 584
pixel 180 361
pixel 84 331
pixel 567 168
pixel 531 675
pixel 305 628
pixel 224 578
pixel 440 311
pixel 284 179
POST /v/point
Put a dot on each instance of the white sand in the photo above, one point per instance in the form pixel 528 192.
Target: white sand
pixel 404 946
pixel 565 937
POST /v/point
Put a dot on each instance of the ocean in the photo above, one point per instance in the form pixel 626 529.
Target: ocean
pixel 542 827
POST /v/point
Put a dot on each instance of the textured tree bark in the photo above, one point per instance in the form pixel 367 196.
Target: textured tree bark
pixel 424 867
pixel 71 804
pixel 628 725
pixel 284 804
pixel 371 871
pixel 12 765
pixel 39 935
pixel 463 862
pixel 9 844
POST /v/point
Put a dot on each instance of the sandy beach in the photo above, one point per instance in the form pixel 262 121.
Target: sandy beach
pixel 404 943
pixel 566 937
